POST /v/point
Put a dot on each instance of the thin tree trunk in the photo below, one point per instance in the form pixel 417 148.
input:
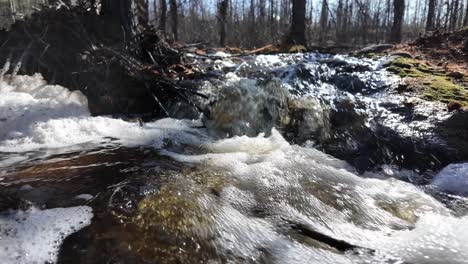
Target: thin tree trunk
pixel 12 10
pixel 174 19
pixel 323 21
pixel 252 27
pixel 222 20
pixel 140 15
pixel 454 15
pixel 339 21
pixel 398 16
pixel 465 21
pixel 430 15
pixel 272 19
pixel 163 17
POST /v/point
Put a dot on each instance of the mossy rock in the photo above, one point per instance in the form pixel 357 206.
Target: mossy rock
pixel 429 83
pixel 177 224
pixel 372 55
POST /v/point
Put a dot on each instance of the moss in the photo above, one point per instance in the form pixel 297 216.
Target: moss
pixel 372 55
pixel 431 84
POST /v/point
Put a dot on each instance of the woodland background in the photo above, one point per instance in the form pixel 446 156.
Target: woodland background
pixel 255 23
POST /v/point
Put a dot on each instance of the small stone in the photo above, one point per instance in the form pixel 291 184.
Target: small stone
pixel 453 106
pixel 456 75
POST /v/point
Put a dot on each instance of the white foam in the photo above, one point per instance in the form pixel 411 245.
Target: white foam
pixel 34 236
pixel 269 61
pixel 305 185
pixel 35 115
pixel 453 179
pixel 435 239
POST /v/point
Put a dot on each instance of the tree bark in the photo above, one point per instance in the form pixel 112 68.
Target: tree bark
pixel 465 21
pixel 323 22
pixel 297 32
pixel 339 21
pixel 430 15
pixel 174 20
pixel 398 15
pixel 223 6
pixel 454 15
pixel 139 15
pixel 118 14
pixel 252 26
pixel 162 18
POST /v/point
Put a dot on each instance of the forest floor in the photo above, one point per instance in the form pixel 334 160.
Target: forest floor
pixel 434 67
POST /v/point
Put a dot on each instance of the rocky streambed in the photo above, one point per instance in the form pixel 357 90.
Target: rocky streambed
pixel 296 158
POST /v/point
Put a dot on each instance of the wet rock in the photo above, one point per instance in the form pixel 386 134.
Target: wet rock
pixel 354 68
pixel 344 66
pixel 456 75
pixel 310 119
pixel 454 131
pixel 452 106
pixel 334 62
pixel 248 107
pixel 349 83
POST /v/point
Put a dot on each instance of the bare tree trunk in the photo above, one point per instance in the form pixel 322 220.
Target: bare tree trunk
pixel 454 15
pixel 430 15
pixel 262 10
pixel 398 15
pixel 252 27
pixel 323 21
pixel 223 6
pixel 12 10
pixel 447 16
pixel 139 15
pixel 339 21
pixel 297 31
pixel 273 27
pixel 174 20
pixel 465 21
pixel 118 13
pixel 163 17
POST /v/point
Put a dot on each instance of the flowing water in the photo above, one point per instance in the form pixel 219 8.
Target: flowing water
pixel 246 182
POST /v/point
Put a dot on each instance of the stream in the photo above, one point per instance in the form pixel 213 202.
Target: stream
pixel 297 158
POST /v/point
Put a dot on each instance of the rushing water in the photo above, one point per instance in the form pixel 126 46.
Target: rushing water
pixel 228 187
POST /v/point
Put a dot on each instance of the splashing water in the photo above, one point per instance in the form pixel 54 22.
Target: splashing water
pixel 249 198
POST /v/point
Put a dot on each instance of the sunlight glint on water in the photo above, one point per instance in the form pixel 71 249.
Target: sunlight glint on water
pixel 290 184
